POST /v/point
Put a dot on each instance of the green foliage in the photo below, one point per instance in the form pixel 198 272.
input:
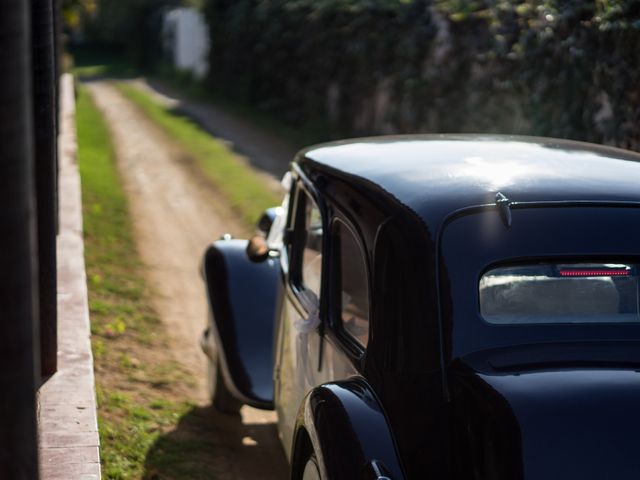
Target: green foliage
pixel 573 65
pixel 286 55
pixel 75 12
pixel 566 68
pixel 131 27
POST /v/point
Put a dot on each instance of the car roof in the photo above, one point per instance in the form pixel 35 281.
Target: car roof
pixel 435 175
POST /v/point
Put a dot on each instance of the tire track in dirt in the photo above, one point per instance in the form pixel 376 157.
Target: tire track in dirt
pixel 176 215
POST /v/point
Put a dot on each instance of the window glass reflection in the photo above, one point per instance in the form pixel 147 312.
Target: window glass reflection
pixel 561 293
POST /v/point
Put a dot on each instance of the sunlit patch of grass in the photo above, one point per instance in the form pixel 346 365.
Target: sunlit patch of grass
pixel 245 190
pixel 142 392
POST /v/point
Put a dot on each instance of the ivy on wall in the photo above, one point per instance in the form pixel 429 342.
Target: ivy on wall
pixel 564 68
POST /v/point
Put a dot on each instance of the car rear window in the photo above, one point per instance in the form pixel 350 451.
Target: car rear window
pixel 561 293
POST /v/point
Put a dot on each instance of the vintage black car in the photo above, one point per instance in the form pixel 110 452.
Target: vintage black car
pixel 440 307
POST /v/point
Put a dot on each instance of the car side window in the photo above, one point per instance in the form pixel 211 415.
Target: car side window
pixel 353 293
pixel 311 271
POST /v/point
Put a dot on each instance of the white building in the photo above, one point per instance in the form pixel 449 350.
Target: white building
pixel 186 39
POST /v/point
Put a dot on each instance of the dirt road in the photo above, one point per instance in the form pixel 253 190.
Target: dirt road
pixel 262 150
pixel 176 215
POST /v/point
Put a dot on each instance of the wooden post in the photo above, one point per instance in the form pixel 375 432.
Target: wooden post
pixel 44 97
pixel 58 46
pixel 19 341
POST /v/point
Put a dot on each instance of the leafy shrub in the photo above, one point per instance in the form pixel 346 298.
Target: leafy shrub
pixel 132 27
pixel 565 68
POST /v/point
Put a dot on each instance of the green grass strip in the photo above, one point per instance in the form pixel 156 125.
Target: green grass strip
pixel 148 427
pixel 243 188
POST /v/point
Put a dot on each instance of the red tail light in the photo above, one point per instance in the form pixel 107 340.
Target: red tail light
pixel 595 273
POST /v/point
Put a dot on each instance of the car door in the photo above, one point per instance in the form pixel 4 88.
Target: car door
pixel 299 334
pixel 323 326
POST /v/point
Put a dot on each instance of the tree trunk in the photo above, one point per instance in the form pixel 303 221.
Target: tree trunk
pixel 19 341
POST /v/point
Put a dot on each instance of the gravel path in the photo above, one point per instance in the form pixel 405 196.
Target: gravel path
pixel 176 215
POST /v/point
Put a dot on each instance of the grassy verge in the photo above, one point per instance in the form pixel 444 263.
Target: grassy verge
pixel 141 391
pixel 242 187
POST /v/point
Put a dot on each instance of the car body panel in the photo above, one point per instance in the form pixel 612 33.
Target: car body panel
pixel 553 424
pixel 242 297
pixel 349 432
pixel 321 363
pixel 435 175
pixel 296 368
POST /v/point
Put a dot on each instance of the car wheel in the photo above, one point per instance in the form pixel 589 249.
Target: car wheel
pixel 221 398
pixel 311 470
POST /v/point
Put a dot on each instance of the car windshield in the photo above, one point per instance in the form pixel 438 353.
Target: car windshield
pixel 561 293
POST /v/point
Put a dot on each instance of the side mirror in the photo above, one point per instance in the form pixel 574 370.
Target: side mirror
pixel 266 220
pixel 257 248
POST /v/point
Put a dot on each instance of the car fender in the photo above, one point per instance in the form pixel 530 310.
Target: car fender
pixel 242 299
pixel 348 431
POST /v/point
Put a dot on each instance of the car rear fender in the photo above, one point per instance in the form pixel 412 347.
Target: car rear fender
pixel 345 426
pixel 242 300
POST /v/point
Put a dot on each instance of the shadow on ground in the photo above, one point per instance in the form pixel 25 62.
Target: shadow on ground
pixel 206 444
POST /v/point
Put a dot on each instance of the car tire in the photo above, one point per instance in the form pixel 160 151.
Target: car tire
pixel 221 398
pixel 311 470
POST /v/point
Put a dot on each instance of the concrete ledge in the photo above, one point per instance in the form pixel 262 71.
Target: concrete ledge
pixel 67 421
